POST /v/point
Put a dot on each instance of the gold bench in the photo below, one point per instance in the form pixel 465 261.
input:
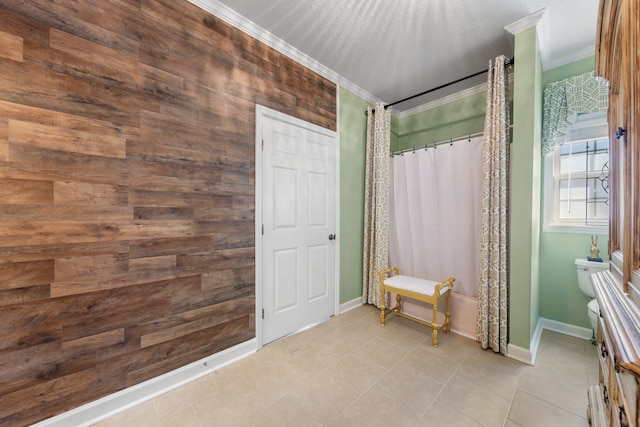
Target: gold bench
pixel 419 289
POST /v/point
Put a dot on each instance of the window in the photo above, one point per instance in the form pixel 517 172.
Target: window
pixel 576 181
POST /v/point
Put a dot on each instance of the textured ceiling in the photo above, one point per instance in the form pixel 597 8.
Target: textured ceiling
pixel 392 49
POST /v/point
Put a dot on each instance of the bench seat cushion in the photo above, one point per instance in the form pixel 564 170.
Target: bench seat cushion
pixel 413 284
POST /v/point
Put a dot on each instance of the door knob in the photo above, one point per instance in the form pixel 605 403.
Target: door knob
pixel 332 237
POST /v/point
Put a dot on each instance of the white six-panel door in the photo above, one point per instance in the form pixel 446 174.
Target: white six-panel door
pixel 298 250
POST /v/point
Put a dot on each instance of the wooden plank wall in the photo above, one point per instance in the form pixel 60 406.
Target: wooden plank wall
pixel 127 192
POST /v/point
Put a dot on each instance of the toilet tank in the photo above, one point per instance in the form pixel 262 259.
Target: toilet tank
pixel 585 268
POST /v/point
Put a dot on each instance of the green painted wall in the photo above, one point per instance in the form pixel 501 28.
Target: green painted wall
pixel 452 120
pixel 352 126
pixel 525 191
pixel 578 67
pixel 395 125
pixel 560 296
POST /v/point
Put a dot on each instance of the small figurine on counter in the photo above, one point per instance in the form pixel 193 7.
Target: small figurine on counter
pixel 594 250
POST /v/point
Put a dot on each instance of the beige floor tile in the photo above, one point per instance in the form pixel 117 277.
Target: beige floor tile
pixel 440 414
pixel 324 396
pixel 178 399
pixel 233 405
pixel 561 350
pixel 529 411
pixel 476 402
pixel 307 337
pixel 309 362
pixel 142 415
pixel 235 371
pixel 334 346
pixel 382 352
pixel 378 407
pixel 412 386
pixel 359 330
pixel 568 362
pixel 493 371
pixel 561 390
pixel 357 371
pixel 274 352
pixel 593 372
pixel 285 412
pixel 184 417
pixel 431 363
pixel 351 371
pixel 453 347
pixel 398 332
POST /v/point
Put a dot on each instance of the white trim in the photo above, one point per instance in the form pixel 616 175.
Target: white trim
pixel 525 23
pixel 575 229
pixel 593 126
pixel 350 305
pixel 240 22
pixel 120 401
pixel 261 112
pixel 336 201
pixel 258 224
pixel 551 63
pixel 565 328
pixel 524 355
pixel 536 19
pixel 520 354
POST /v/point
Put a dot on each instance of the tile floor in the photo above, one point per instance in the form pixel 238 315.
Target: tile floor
pixel 351 371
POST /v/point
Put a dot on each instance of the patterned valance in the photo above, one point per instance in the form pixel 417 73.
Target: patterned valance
pixel 564 100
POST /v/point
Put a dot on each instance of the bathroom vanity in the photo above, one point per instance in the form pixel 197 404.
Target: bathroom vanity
pixel 614 401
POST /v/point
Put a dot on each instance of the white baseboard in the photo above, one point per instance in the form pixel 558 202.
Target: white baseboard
pixel 350 305
pixel 520 354
pixel 565 328
pixel 115 403
pixel 462 334
pixel 529 356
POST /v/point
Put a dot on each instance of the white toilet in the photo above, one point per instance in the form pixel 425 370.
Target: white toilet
pixel 585 268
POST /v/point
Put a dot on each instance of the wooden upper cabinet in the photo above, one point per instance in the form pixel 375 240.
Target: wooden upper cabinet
pixel 618 61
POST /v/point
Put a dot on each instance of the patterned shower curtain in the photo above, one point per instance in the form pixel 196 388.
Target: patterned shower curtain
pixel 376 201
pixel 491 328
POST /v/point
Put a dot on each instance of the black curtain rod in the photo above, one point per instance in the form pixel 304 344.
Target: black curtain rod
pixel 436 144
pixel 510 62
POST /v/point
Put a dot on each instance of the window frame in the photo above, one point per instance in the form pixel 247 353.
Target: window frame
pixel 587 127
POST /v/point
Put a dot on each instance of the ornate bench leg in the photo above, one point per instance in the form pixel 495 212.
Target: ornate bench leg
pixel 383 308
pixel 434 324
pixel 447 314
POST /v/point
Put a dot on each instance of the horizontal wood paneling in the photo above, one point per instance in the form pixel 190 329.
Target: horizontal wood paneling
pixel 127 196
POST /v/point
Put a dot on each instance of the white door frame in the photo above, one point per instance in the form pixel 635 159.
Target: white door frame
pixel 262 112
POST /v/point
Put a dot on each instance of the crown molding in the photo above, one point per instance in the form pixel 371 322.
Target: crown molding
pixel 238 21
pixel 442 101
pixel 536 19
pixel 587 52
pixel 525 23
